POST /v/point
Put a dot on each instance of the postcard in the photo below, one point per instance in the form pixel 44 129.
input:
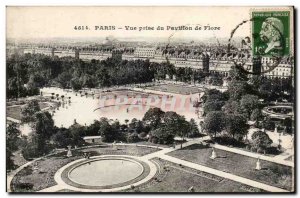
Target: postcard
pixel 128 99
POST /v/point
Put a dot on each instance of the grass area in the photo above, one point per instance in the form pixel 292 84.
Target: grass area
pixel 28 179
pixel 152 144
pixel 43 105
pixel 127 93
pixel 120 150
pixel 175 178
pixel 178 89
pixel 66 191
pixel 18 158
pixel 15 111
pixel 271 173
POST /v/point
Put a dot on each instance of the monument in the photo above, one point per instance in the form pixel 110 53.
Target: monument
pixel 258 166
pixel 213 154
pixel 69 153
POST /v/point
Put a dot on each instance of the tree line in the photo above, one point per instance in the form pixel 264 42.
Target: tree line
pixel 29 72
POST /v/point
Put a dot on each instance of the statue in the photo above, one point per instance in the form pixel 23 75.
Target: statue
pixel 114 145
pixel 258 166
pixel 69 153
pixel 191 189
pixel 213 154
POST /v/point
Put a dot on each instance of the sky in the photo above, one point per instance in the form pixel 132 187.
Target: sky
pixel 51 22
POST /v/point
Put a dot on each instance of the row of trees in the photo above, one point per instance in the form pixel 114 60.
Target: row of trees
pixel 27 73
pixel 164 126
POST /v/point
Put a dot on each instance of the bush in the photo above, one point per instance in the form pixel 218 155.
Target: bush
pixel 154 140
pixel 259 150
pixel 21 187
pixel 261 141
pixel 229 141
pixel 132 137
pixel 269 124
pixel 142 135
pixel 32 150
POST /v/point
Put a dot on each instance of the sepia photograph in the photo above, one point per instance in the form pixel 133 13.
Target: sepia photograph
pixel 150 99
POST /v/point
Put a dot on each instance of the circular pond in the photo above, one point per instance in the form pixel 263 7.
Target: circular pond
pixel 105 172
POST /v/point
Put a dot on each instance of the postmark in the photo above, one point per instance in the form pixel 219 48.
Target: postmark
pixel 269 42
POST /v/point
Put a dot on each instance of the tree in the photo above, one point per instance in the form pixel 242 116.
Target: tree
pixel 268 123
pixel 288 124
pixel 236 125
pixel 194 130
pixel 248 104
pixel 93 129
pixel 35 147
pixel 29 110
pixel 201 124
pixel 237 89
pixel 9 162
pixel 43 124
pixel 236 73
pixel 12 136
pixel 64 79
pixel 88 81
pixel 76 84
pixel 232 107
pixel 43 129
pixel 77 132
pixel 153 117
pixel 62 138
pixel 132 137
pixel 214 122
pixel 107 132
pixel 210 106
pixel 136 125
pixel 162 135
pixel 35 80
pixel 256 115
pixel 213 94
pixel 261 140
pixel 103 77
pixel 176 124
pixel 216 80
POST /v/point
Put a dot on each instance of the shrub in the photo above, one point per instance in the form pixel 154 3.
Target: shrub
pixel 21 187
pixel 142 134
pixel 132 137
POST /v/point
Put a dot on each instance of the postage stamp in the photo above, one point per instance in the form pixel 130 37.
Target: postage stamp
pixel 271 33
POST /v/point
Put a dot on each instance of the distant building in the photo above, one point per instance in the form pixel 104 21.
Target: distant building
pixel 145 52
pixel 206 59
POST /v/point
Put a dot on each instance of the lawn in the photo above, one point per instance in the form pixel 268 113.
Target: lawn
pixel 127 93
pixel 15 111
pixel 29 180
pixel 271 173
pixel 175 178
pixel 178 89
